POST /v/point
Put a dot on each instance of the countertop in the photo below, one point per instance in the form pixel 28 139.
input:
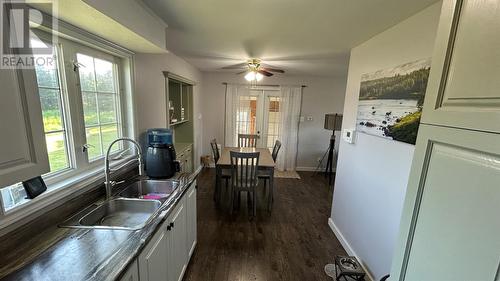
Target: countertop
pixel 95 254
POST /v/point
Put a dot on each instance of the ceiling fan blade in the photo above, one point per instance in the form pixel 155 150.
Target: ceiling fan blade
pixel 273 69
pixel 236 66
pixel 241 72
pixel 265 73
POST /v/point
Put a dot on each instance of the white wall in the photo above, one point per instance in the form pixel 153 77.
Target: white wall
pixel 322 95
pixel 150 93
pixel 372 174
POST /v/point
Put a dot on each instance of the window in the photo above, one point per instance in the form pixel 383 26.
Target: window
pixel 54 121
pixel 100 107
pixel 89 94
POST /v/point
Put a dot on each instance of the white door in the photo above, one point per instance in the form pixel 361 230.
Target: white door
pixel 259 114
pixel 450 225
pixel 153 259
pixel 178 244
pixel 191 219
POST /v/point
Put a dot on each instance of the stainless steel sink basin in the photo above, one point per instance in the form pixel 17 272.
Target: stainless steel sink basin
pixel 150 189
pixel 121 213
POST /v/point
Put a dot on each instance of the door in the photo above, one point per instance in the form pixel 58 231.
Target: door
pixel 259 114
pixel 449 228
pixel 153 262
pixel 191 219
pixel 450 221
pixel 177 250
pixel 463 84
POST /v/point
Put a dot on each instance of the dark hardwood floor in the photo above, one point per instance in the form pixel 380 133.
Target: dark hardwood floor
pixel 294 242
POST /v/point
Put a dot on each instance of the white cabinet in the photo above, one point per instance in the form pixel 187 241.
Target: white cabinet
pixel 191 219
pixel 153 259
pixel 23 153
pixel 167 254
pixel 132 273
pixel 177 252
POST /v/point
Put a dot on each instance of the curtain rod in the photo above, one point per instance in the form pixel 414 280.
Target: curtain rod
pixel 265 85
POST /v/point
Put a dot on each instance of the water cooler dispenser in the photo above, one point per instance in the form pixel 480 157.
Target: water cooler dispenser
pixel 160 155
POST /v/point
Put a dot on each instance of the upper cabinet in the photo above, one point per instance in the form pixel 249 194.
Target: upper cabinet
pixel 179 99
pixel 23 153
pixel 464 83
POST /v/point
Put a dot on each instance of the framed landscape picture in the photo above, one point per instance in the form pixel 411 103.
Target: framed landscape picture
pixel 390 101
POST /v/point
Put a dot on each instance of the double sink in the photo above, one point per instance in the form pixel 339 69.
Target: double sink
pixel 132 209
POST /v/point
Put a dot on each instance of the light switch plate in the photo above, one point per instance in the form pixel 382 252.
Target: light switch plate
pixel 348 135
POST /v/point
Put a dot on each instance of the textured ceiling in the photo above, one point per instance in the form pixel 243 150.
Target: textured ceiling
pixel 304 37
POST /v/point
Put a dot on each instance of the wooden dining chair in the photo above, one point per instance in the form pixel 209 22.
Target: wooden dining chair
pixel 244 168
pixel 266 177
pixel 247 140
pixel 226 174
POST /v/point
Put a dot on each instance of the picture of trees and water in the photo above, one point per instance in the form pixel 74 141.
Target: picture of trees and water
pixel 390 101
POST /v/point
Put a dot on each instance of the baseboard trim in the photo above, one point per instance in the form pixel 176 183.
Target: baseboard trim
pixel 350 251
pixel 312 169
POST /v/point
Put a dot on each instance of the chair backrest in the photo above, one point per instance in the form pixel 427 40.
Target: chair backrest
pixel 244 167
pixel 276 149
pixel 215 150
pixel 246 140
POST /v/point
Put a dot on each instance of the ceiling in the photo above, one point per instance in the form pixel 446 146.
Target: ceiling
pixel 304 37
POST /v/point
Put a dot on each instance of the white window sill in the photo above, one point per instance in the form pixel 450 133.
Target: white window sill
pixel 60 192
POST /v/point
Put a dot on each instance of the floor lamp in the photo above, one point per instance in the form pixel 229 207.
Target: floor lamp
pixel 333 122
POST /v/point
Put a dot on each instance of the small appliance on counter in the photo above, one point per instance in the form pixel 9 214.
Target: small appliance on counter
pixel 160 156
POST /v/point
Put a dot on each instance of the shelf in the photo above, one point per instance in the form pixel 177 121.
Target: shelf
pixel 179 122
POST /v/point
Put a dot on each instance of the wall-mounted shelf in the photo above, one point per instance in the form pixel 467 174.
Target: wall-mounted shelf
pixel 179 122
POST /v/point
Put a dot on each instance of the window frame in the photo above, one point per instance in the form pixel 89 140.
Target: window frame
pixel 83 176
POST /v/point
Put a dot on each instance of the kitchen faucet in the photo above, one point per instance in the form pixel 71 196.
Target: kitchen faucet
pixel 107 170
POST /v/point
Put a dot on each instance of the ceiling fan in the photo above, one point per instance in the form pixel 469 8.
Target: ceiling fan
pixel 255 70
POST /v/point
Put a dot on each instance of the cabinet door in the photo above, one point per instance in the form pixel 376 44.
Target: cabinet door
pixel 450 227
pixel 191 219
pixel 23 153
pixel 132 273
pixel 463 89
pixel 178 252
pixel 153 259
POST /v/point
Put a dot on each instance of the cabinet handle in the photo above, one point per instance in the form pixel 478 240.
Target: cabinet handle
pixel 168 228
pixel 172 224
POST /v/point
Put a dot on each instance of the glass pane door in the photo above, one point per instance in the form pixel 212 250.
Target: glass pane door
pixel 272 119
pixel 249 115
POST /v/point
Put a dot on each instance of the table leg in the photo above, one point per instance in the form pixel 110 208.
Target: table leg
pixel 271 189
pixel 218 177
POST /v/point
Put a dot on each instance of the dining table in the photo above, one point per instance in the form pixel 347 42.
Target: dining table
pixel 266 167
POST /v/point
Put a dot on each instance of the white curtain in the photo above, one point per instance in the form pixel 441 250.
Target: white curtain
pixel 291 102
pixel 233 94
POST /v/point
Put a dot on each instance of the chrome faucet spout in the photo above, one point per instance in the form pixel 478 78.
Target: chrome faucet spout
pixel 108 183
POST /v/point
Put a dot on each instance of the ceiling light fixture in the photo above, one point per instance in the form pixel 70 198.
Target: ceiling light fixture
pixel 253 76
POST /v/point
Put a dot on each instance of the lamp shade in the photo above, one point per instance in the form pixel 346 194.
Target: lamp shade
pixel 333 121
